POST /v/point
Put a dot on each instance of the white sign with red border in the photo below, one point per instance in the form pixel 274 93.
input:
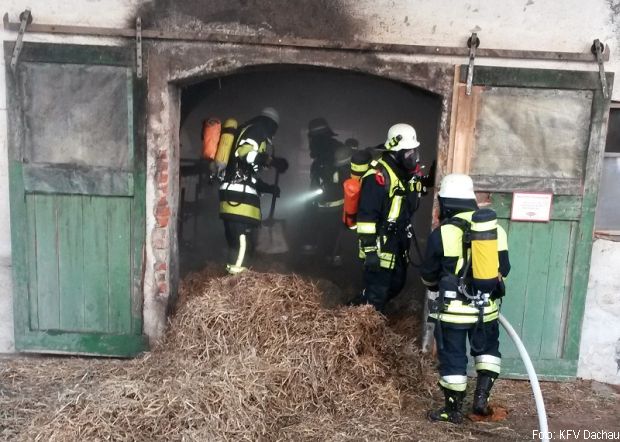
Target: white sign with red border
pixel 531 206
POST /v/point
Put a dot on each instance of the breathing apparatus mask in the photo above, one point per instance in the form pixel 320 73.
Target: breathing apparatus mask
pixel 402 142
pixel 408 159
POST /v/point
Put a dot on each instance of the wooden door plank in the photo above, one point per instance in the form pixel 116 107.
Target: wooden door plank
pixel 67 179
pixel 48 290
pixel 536 78
pixel 583 248
pixel 546 369
pixel 93 344
pixel 96 284
pixel 119 264
pixel 138 213
pixel 70 262
pixel 519 249
pixel 507 347
pixel 535 297
pixel 463 137
pixel 31 251
pixel 513 305
pixel 560 266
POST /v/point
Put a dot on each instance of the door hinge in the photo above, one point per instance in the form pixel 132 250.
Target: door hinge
pixel 598 49
pixel 472 43
pixel 25 18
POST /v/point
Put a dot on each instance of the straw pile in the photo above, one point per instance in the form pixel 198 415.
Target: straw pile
pixel 252 357
pixel 255 357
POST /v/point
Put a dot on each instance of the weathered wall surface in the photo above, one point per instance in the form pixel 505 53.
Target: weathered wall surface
pixel 559 25
pixel 599 356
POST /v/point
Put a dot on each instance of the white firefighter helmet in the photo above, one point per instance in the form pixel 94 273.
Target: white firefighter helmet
pixel 271 113
pixel 401 136
pixel 457 185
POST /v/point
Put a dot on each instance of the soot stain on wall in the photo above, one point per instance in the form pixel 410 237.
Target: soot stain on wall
pixel 321 19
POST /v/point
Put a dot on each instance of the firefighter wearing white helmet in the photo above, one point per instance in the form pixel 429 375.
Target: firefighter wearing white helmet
pixel 461 306
pixel 401 136
pixel 390 193
pixel 240 192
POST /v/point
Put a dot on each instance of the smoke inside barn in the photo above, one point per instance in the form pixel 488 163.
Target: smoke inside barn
pixel 357 108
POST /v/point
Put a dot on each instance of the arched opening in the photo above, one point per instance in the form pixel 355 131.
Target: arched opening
pixel 359 108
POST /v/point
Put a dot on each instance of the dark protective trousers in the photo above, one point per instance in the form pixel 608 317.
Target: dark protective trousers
pixel 241 240
pixel 453 355
pixel 384 284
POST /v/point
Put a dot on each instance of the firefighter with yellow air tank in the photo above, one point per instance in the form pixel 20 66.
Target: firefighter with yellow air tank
pixel 465 263
pixel 241 188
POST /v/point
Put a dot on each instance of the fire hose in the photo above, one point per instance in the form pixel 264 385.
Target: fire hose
pixel 531 373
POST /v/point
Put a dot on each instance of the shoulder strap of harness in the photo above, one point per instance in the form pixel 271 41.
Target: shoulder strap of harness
pixel 465 225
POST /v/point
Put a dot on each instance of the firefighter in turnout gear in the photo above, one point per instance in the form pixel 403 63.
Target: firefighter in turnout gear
pixel 241 189
pixel 390 193
pixel 465 263
pixel 329 169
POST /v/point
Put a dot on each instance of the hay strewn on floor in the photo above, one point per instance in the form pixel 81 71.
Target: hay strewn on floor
pixel 249 357
pixel 254 357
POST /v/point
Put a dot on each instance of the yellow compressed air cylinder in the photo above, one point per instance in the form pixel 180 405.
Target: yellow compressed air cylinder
pixel 227 139
pixel 484 256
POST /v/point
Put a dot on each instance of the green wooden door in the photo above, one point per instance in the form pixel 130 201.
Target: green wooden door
pixel 77 177
pixel 542 130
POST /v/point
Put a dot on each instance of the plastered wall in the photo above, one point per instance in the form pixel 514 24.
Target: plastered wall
pixel 558 25
pixel 599 355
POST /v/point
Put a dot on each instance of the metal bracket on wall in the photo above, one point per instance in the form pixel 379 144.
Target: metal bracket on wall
pixel 139 47
pixel 293 42
pixel 472 43
pixel 598 49
pixel 25 18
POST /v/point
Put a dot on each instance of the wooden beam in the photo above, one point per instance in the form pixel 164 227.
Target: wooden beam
pixel 359 46
pixel 459 158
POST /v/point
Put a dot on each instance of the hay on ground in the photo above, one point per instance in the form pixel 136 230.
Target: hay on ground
pixel 255 357
pixel 251 357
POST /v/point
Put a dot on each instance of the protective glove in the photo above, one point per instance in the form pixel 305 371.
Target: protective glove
pixel 500 290
pixel 429 179
pixel 279 164
pixel 372 262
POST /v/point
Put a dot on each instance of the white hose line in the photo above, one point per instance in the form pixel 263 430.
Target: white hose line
pixel 540 405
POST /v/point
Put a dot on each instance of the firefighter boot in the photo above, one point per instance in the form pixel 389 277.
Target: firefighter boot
pixel 451 411
pixel 484 384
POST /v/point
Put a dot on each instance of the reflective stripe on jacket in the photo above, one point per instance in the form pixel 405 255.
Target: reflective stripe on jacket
pixel 457 308
pixel 388 209
pixel 239 199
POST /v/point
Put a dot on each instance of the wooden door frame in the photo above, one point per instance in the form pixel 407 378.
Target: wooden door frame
pixel 27 339
pixel 462 137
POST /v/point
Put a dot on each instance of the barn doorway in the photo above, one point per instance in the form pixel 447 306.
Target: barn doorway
pixel 359 108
